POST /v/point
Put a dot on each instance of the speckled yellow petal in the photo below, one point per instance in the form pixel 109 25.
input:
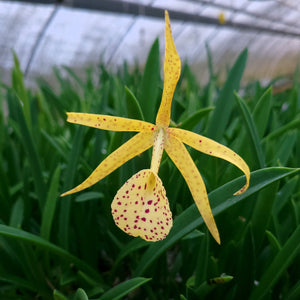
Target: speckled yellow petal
pixel 136 145
pixel 109 122
pixel 172 67
pixel 213 148
pixel 141 208
pixel 183 161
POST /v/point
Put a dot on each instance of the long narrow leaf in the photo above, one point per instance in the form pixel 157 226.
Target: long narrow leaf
pixel 65 207
pixel 252 131
pixel 295 124
pixel 27 237
pixel 15 280
pixel 195 118
pixel 280 263
pixel 262 111
pixel 124 288
pixel 262 212
pixel 26 139
pixel 150 81
pixel 224 105
pixel 50 205
pixel 133 107
pixel 294 293
pixel 190 219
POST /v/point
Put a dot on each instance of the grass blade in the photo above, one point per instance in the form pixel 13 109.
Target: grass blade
pixel 50 205
pixel 80 295
pixel 124 288
pixel 25 137
pixel 27 237
pixel 252 131
pixel 261 214
pixel 65 203
pixel 150 82
pixel 282 260
pixel 17 214
pixel 134 110
pixel 261 110
pixel 295 124
pixel 190 122
pixel 20 90
pixel 224 105
pixel 58 296
pixel 294 293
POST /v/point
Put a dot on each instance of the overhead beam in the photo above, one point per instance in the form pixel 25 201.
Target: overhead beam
pixel 137 9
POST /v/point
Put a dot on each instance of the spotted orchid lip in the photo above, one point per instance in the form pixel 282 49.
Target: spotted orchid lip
pixel 141 207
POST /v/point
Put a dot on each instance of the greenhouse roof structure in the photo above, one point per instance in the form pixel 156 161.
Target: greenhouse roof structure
pixel 78 33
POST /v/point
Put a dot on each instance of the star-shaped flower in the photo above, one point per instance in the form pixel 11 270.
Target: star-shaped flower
pixel 140 207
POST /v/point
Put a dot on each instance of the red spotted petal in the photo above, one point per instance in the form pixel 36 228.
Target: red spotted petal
pixel 141 208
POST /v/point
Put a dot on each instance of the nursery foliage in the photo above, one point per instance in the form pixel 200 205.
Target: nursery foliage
pixel 69 248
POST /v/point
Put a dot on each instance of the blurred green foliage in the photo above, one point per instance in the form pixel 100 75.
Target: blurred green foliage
pixel 69 248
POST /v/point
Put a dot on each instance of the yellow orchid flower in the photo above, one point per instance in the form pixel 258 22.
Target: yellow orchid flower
pixel 140 207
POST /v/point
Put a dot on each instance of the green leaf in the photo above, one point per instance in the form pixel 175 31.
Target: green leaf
pixel 50 205
pixel 27 140
pixel 190 219
pixel 262 212
pixel 210 61
pixel 285 147
pixel 193 235
pixel 87 196
pixel 97 286
pixel 246 265
pixel 58 295
pixel 252 131
pixel 208 286
pixel 80 295
pixel 190 122
pixel 224 105
pixel 284 195
pixel 273 241
pixel 55 145
pixel 65 203
pixel 27 237
pixel 20 90
pixel 202 261
pixel 130 247
pixel 262 111
pixel 17 281
pixel 150 83
pixel 17 214
pixel 279 264
pixel 134 110
pixel 295 124
pixel 124 288
pixel 294 292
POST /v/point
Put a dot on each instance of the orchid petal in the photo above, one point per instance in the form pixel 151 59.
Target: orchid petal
pixel 109 122
pixel 141 208
pixel 212 148
pixel 172 68
pixel 183 161
pixel 136 145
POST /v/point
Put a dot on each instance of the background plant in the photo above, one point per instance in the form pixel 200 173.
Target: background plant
pixel 69 248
